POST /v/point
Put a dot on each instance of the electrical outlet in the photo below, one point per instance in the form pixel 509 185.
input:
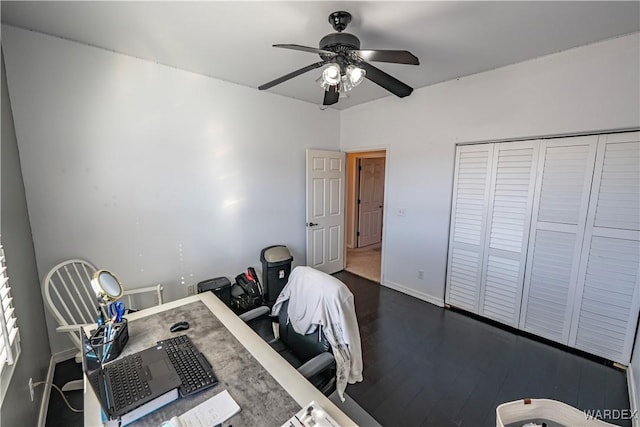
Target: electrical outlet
pixel 31 388
pixel 191 289
pixel 421 274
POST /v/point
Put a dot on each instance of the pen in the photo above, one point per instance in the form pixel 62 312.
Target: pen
pixel 108 340
pixel 107 333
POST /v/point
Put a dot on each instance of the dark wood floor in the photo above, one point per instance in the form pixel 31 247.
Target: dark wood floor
pixel 58 414
pixel 428 366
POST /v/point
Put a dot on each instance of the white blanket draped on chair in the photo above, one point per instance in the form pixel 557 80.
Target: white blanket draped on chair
pixel 317 299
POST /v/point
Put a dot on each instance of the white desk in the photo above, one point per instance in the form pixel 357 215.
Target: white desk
pixel 295 384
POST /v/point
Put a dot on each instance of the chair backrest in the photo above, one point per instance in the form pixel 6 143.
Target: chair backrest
pixel 304 347
pixel 67 293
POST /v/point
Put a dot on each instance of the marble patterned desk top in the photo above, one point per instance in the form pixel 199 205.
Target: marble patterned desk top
pixel 262 399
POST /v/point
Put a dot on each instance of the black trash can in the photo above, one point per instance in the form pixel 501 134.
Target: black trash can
pixel 220 286
pixel 276 267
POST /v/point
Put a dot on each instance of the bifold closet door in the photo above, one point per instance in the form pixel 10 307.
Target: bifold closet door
pixel 508 219
pixel 467 232
pixel 608 294
pixel 561 199
pixel 490 219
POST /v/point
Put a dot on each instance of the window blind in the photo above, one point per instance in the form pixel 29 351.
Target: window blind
pixel 8 323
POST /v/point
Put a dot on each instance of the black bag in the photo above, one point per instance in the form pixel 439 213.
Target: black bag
pixel 220 286
pixel 247 292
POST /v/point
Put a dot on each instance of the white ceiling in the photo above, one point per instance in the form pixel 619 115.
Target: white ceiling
pixel 232 41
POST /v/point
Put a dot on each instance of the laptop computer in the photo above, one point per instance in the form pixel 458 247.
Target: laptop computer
pixel 132 386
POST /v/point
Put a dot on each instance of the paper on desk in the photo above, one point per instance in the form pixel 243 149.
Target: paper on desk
pixel 312 415
pixel 211 412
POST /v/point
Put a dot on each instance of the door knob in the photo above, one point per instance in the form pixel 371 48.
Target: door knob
pixel 311 224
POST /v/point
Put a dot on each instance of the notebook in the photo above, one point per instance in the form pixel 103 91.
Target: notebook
pixel 132 386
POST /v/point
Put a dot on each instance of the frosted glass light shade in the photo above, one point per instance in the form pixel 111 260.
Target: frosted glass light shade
pixel 355 75
pixel 331 75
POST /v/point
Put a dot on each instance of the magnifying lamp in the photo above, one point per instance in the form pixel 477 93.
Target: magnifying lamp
pixel 106 286
pixel 113 335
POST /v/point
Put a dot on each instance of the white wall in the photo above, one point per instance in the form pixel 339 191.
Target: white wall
pixel 156 173
pixel 586 89
pixel 17 407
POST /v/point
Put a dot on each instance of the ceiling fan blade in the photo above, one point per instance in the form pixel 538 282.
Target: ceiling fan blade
pixel 291 75
pixel 386 81
pixel 394 56
pixel 305 49
pixel 331 96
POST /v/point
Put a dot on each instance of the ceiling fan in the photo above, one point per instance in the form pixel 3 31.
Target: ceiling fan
pixel 347 65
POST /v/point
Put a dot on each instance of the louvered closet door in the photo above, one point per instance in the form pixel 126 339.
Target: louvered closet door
pixel 561 199
pixel 606 314
pixel 509 215
pixel 468 221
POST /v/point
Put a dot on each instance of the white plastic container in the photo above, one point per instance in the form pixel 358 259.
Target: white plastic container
pixel 523 411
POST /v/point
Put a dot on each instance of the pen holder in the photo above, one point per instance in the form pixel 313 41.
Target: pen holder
pixel 109 340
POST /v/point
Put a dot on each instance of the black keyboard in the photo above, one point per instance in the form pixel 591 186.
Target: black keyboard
pixel 194 369
pixel 128 381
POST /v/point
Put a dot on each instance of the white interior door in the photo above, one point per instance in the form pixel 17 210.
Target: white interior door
pixel 565 169
pixel 491 212
pixel 472 180
pixel 608 295
pixel 510 204
pixel 325 210
pixel 370 201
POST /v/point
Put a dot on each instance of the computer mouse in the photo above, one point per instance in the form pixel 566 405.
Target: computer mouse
pixel 180 326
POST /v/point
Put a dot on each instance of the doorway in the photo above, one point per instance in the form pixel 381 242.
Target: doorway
pixel 365 213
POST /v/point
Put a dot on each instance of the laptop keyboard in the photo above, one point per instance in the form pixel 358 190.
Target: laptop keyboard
pixel 193 368
pixel 128 381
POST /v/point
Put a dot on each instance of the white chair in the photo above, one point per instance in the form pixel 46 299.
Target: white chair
pixel 68 295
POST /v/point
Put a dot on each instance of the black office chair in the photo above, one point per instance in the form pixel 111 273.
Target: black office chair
pixel 310 354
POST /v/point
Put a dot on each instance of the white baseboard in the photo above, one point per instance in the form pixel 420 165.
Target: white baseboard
pixel 420 295
pixel 44 404
pixel 64 355
pixel 633 396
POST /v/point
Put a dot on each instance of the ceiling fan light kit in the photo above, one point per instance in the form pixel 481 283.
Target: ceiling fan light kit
pixel 346 80
pixel 347 65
